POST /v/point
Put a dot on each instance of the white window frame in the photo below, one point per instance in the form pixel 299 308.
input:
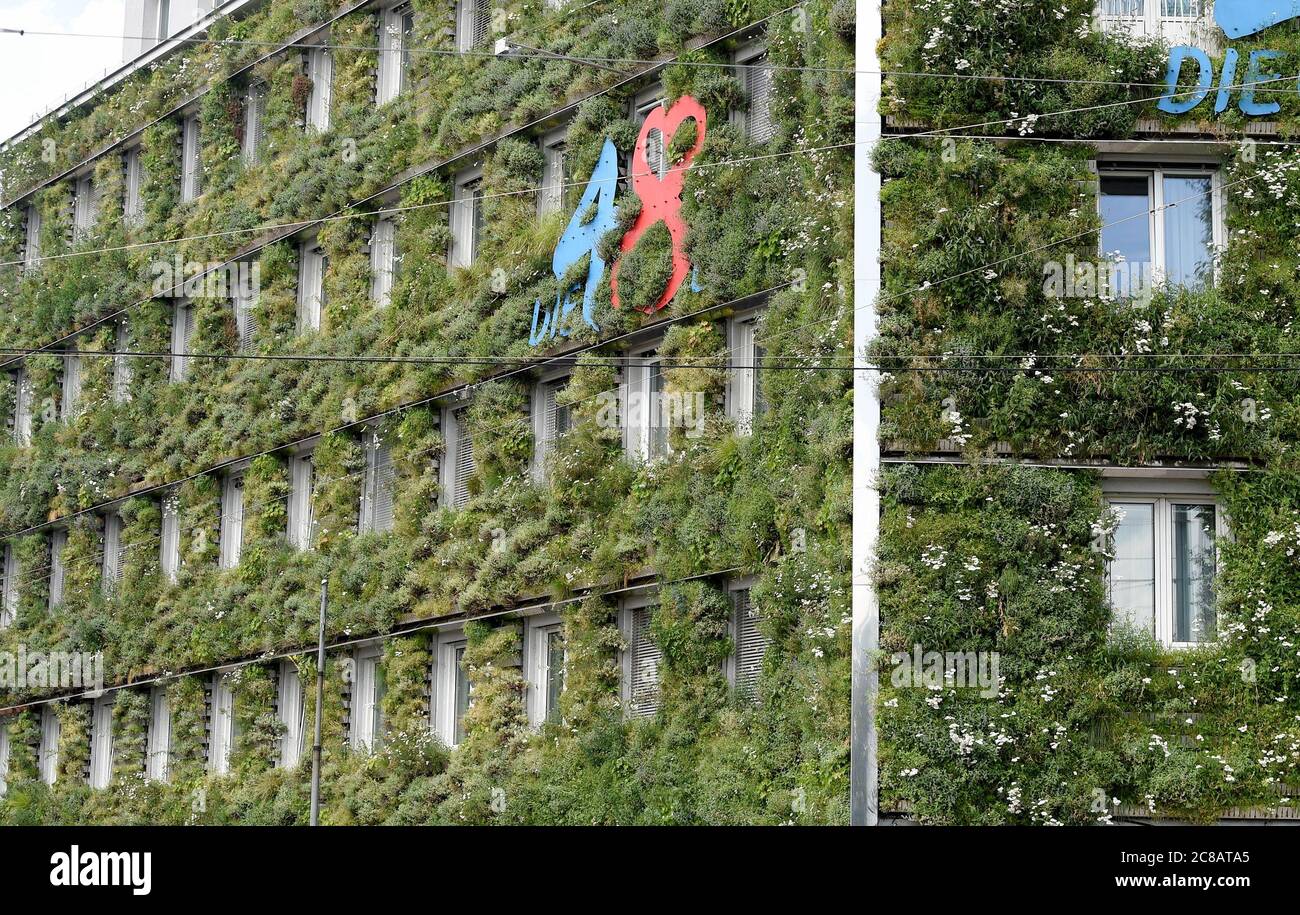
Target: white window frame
pixel 1162 492
pixel 1125 167
pixel 366 730
pixel 312 264
pixel 169 546
pixel 378 485
pixel 393 53
pixel 102 745
pixel 320 70
pixel 455 481
pixel 32 237
pixel 641 407
pixel 1151 23
pixel 158 741
pixel 742 395
pixel 630 610
pixel 755 74
pixel 133 187
pixel 121 383
pixel 545 435
pixel 4 757
pixel 70 401
pixel 223 731
pixel 58 569
pixel 473 24
pixel 466 217
pixel 85 207
pixel 254 123
pixel 22 407
pixel 114 555
pixel 643 103
pixel 244 299
pixel 231 539
pixel 301 521
pixel 8 586
pixel 182 338
pixel 741 675
pixel 191 159
pixel 537 633
pixel 550 198
pixel 383 261
pixel 450 643
pixel 291 710
pixel 47 751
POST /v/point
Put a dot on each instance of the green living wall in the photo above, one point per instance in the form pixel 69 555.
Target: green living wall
pixel 774 504
pixel 1010 559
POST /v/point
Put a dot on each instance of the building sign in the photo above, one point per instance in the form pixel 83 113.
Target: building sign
pixel 661 201
pixel 1238 19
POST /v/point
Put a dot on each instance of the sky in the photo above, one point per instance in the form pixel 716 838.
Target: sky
pixel 37 72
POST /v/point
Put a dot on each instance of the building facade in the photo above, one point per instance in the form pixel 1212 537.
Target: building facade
pixel 465 310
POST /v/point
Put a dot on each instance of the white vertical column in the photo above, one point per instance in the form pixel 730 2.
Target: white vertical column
pixel 863 778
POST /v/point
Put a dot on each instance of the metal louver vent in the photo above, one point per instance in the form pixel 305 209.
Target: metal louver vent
pixel 758 85
pixel 646 658
pixel 751 644
pixel 464 468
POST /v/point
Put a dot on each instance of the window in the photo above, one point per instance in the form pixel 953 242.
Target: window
pixel 367 720
pixel 121 384
pixel 85 207
pixel 645 434
pixel 21 420
pixel 169 559
pixel 133 181
pixel 70 402
pixel 254 124
pixel 744 394
pixel 1163 221
pixel 383 261
pixel 191 160
pixel 473 24
pixel 395 28
pixel 157 19
pixel 453 692
pixel 292 713
pixel 320 70
pixel 466 218
pixel 47 751
pixel 8 586
pixel 182 336
pixel 114 550
pixel 58 542
pixel 643 103
pixel 755 74
pixel 232 520
pixel 222 730
pixel 312 265
pixel 544 662
pixel 746 661
pixel 551 420
pixel 551 198
pixel 4 758
pixel 300 507
pixel 1161 576
pixel 101 742
pixel 32 238
pixel 377 485
pixel 458 459
pixel 158 741
pixel 1174 20
pixel 245 303
pixel 641 661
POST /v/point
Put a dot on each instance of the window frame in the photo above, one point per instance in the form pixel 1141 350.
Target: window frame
pixel 5 756
pixel 468 15
pixel 169 536
pixel 33 221
pixel 446 722
pixel 392 75
pixel 102 743
pixel 639 406
pixel 85 206
pixel 1162 493
pixel 230 539
pixel 113 558
pixel 300 515
pixel 183 323
pixel 158 762
pixel 538 629
pixel 191 158
pixel 629 608
pixel 133 186
pixel 554 148
pixel 222 728
pixel 544 437
pixel 291 712
pixel 466 218
pixel 58 568
pixel 383 261
pixel 22 415
pixel 8 586
pixel 313 264
pixel 378 476
pixel 640 107
pixel 455 484
pixel 744 402
pixel 47 749
pixel 318 63
pixel 746 59
pixel 70 386
pixel 122 375
pixel 366 720
pixel 1147 167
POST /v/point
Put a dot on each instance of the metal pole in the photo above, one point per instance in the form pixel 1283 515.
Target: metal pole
pixel 863 775
pixel 320 701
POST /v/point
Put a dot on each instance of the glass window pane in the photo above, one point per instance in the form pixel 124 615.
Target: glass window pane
pixel 1126 232
pixel 1194 569
pixel 462 693
pixel 1189 229
pixel 554 673
pixel 1132 571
